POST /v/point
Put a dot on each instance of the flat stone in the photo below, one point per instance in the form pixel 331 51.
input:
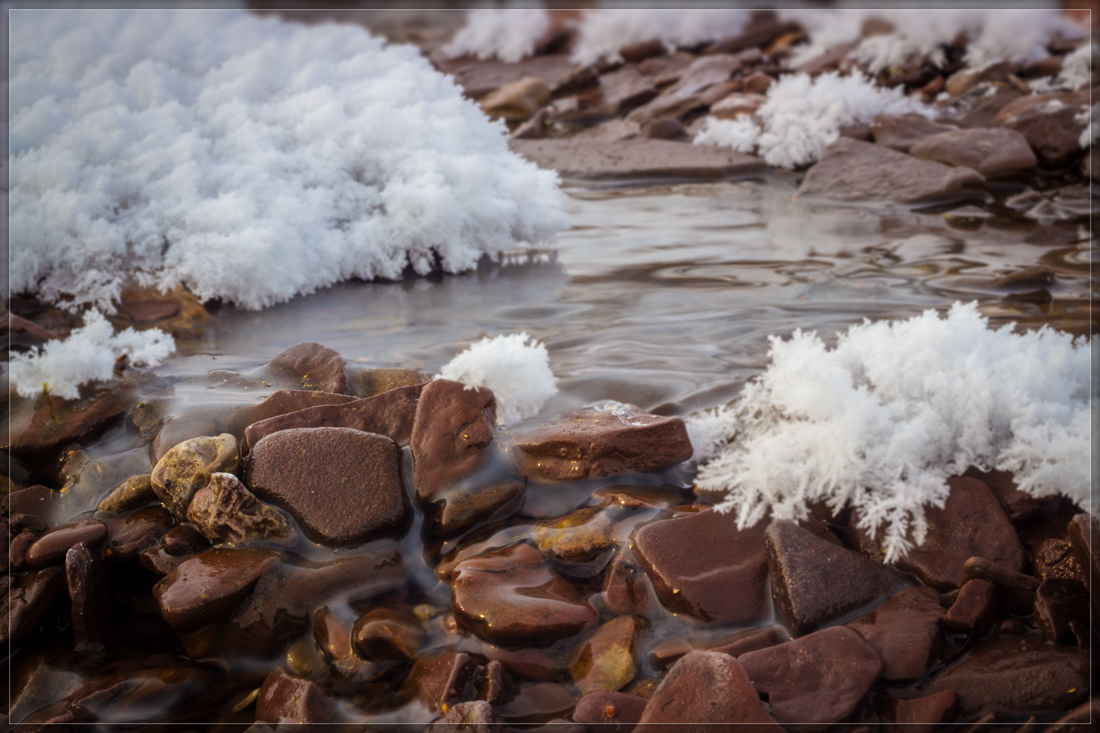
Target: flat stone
pixel 1083 714
pixel 702 566
pixel 1016 676
pixel 984 111
pixel 517 100
pixel 983 569
pixel 598 159
pixel 664 128
pixel 384 634
pixel 316 367
pixel 442 680
pixel 702 689
pixel 923 714
pixel 815 582
pixel 25 606
pixel 210 585
pixel 582 537
pixel 852 170
pixel 667 652
pixel 1061 611
pixel 1021 505
pixel 1049 123
pixel 625 89
pixel 332 632
pixel 626 590
pixel 187 467
pixel 134 492
pixel 451 434
pixel 759 83
pixel 90 597
pixel 817 681
pixel 39 428
pixel 480 77
pixel 285 699
pixel 1084 537
pixel 283 402
pixel 634 53
pixel 127 538
pixel 992 152
pixel 734 105
pixel 343 485
pixel 605 661
pixel 905 631
pixel 512 597
pixel 602 439
pixel 476 716
pixel 370 382
pixel 975 608
pixel 226 511
pixel 52 546
pixel 610 712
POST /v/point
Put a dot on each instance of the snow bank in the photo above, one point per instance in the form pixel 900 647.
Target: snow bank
pixel 518 373
pixel 87 355
pixel 250 159
pixel 603 32
pixel 509 34
pixel 880 421
pixel 803 115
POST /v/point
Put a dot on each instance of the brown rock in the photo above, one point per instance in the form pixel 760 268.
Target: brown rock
pixel 52 546
pixel 759 83
pixel 517 100
pixel 210 585
pixel 343 485
pixel 17 550
pixel 985 109
pixel 1084 714
pixel 605 661
pixel 187 467
pixel 734 105
pixel 905 631
pixel 701 565
pixel 38 428
pixel 664 128
pixel 625 89
pixel 25 606
pixel 370 382
pixel 442 680
pixel 283 402
pixel 1062 611
pixel 923 714
pixel 451 434
pixel 226 511
pixel 667 652
pixel 626 591
pixel 667 69
pixel 603 439
pixel 89 593
pixel 317 367
pixel 183 539
pixel 805 572
pixel 134 492
pixel 385 634
pixel 1021 506
pixel 580 537
pixel 609 712
pixel 333 634
pixel 975 608
pixel 127 538
pixel 480 77
pixel 634 53
pixel 991 152
pixel 476 716
pixel 1049 123
pixel 285 699
pixel 1084 536
pixel 600 159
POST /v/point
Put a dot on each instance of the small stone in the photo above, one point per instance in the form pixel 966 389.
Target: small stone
pixel 625 89
pixel 333 636
pixel 634 53
pixel 974 609
pixel 17 550
pixel 991 152
pixel 475 716
pixel 1021 506
pixel 734 105
pixel 134 492
pixel 1062 611
pixel 664 128
pixel 626 590
pixel 210 585
pixel 817 681
pixel 187 467
pixel 923 714
pixel 1084 537
pixel 518 100
pixel 127 538
pixel 1005 579
pixel 605 661
pixel 451 434
pixel 226 511
pixel 384 634
pixel 89 593
pixel 759 83
pixel 39 428
pixel 611 712
pixel 602 159
pixel 316 367
pixel 25 606
pixel 1050 124
pixel 52 546
pixel 442 680
pixel 285 699
pixel 576 538
pixel 494 684
pixel 182 540
pixel 283 402
pixel 905 631
pixel 370 382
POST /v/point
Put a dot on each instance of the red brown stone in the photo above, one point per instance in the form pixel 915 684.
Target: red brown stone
pixel 975 608
pixel 1061 611
pixel 923 714
pixel 905 631
pixel 612 712
pixel 317 367
pixel 285 699
pixel 210 585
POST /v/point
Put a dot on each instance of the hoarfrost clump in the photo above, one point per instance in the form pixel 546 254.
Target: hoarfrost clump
pixel 1088 119
pixel 507 34
pixel 710 431
pixel 803 115
pixel 1075 74
pixel 517 372
pixel 87 355
pixel 603 32
pixel 880 421
pixel 247 158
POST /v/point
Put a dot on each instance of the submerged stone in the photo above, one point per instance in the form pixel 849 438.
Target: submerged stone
pixel 605 661
pixel 285 699
pixel 52 546
pixel 187 467
pixel 385 634
pixel 226 511
pixel 210 585
pixel 134 492
pixel 476 716
pixel 610 712
pixel 317 367
pixel 905 631
pixel 89 595
pixel 975 608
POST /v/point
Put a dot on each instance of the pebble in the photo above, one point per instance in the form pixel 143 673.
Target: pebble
pixel 384 634
pixel 370 382
pixel 476 716
pixel 89 595
pixel 923 714
pixel 127 538
pixel 1005 579
pixel 905 631
pixel 1061 611
pixel 452 431
pixel 285 699
pixel 314 366
pixel 1054 558
pixel 609 712
pixel 626 589
pixel 225 511
pixel 992 152
pixel 442 679
pixel 1084 537
pixel 975 608
pixel 333 635
pixel 1049 123
pixel 42 427
pixel 25 606
pixel 632 159
pixel 134 492
pixel 17 550
pixel 210 585
pixel 518 100
pixel 52 546
pixel 187 467
pixel 605 661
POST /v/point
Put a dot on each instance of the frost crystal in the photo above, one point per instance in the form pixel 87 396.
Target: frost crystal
pixel 603 32
pixel 87 355
pixel 881 421
pixel 518 373
pixel 508 34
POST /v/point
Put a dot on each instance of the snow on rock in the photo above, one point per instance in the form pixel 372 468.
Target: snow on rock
pixel 803 115
pixel 603 32
pixel 247 158
pixel 87 355
pixel 507 34
pixel 881 420
pixel 516 371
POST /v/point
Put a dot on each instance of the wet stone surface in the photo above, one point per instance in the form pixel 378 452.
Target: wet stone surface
pixel 905 631
pixel 209 585
pixel 187 467
pixel 226 511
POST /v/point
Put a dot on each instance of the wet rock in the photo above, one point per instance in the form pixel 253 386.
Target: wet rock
pixel 603 439
pixel 1011 626
pixel 704 72
pixel 451 434
pixel 734 105
pixel 134 492
pixel 535 128
pixel 1000 576
pixel 1062 611
pixel 605 661
pixel 1016 676
pixel 87 479
pixel 961 81
pixel 442 680
pixel 17 550
pixel 226 511
pixel 52 546
pixel 480 77
pixel 923 714
pixel 127 538
pixel 991 152
pixel 88 591
pixel 183 540
pixel 626 590
pixel 852 170
pixel 701 565
pixel 128 692
pixel 476 716
pixel 384 634
pixel 370 382
pixel 580 537
pixel 975 608
pixel 905 631
pixel 25 606
pixel 390 414
pixel 611 712
pixel 702 689
pixel 333 635
pixel 818 680
pixel 599 159
pixel 815 581
pixel 344 486
pixel 971 523
pixel 187 467
pixel 1083 714
pixel 625 89
pixel 34 501
pixel 985 106
pixel 210 585
pixel 517 100
pixel 512 597
pixel 285 699
pixel 664 128
pixel 494 683
pixel 39 428
pixel 758 83
pixel 1021 506
pixel 634 53
pixel 1084 537
pixel 667 652
pixel 316 367
pixel 1049 123
pixel 284 402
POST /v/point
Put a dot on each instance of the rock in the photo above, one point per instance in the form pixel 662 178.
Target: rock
pixel 226 511
pixel 605 661
pixel 476 716
pixel 332 633
pixel 1049 123
pixel 134 492
pixel 451 434
pixel 971 523
pixel 1016 676
pixel 664 128
pixel 905 631
pixel 38 429
pixel 17 550
pixel 36 501
pixel 961 81
pixel 314 366
pixel 183 539
pixel 441 680
pixel 818 680
pixel 390 414
pixel 1021 506
pixel 285 699
pixel 701 565
pixel 609 712
pixel 634 53
pixel 923 714
pixel 127 538
pixel 667 70
pixel 852 170
pixel 625 89
pixel 1084 714
pixel 25 606
pixel 581 537
pixel 985 106
pixel 187 467
pixel 626 591
pixel 991 152
pixel 1084 537
pixel 666 653
pixel 210 585
pixel 512 597
pixel 370 382
pixel 344 486
pixel 815 581
pixel 87 479
pixel 758 83
pixel 1062 611
pixel 384 634
pixel 52 546
pixel 975 608
pixel 734 105
pixel 128 692
pixel 702 689
pixel 535 128
pixel 283 402
pixel 517 100
pixel 704 72
pixel 89 593
pixel 480 77
pixel 602 439
pixel 599 159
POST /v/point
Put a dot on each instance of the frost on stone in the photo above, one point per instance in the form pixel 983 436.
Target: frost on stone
pixel 247 158
pixel 1088 119
pixel 87 355
pixel 603 32
pixel 507 34
pixel 1076 72
pixel 803 115
pixel 710 431
pixel 880 421
pixel 517 372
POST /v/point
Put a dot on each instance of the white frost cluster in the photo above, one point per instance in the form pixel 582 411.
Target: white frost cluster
pixel 803 115
pixel 880 421
pixel 507 34
pixel 710 431
pixel 603 32
pixel 87 355
pixel 516 371
pixel 1088 119
pixel 247 158
pixel 1075 74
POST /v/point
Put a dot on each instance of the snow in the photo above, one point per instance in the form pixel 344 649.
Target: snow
pixel 881 420
pixel 507 34
pixel 250 159
pixel 1088 118
pixel 87 355
pixel 603 32
pixel 517 372
pixel 803 115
